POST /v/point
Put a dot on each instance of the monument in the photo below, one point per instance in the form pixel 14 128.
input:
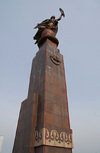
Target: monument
pixel 44 125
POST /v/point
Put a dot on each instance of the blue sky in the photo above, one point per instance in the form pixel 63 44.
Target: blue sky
pixel 79 36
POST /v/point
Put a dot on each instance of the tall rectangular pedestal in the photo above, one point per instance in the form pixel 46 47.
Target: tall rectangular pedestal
pixel 44 125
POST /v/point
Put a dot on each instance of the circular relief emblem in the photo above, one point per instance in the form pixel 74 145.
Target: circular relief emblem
pixel 55 59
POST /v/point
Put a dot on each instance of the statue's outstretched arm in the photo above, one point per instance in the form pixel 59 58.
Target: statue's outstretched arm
pixel 59 18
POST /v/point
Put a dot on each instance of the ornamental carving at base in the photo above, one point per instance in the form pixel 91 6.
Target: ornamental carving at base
pixel 53 138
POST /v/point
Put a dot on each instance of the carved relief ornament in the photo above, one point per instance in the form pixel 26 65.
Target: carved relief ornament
pixel 53 138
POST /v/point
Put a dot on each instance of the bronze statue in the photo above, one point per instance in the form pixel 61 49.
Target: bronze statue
pixel 51 24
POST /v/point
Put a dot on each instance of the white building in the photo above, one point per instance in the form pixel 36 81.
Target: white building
pixel 1 141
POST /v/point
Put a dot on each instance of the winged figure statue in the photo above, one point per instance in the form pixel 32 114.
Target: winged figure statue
pixel 51 23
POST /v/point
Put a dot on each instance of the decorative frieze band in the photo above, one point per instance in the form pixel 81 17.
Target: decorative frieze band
pixel 53 138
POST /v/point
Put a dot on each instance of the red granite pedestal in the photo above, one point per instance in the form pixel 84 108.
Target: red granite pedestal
pixel 43 125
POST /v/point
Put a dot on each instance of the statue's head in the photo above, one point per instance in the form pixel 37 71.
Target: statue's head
pixel 53 17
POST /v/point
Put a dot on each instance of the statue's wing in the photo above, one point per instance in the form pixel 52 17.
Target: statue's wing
pixel 43 23
pixel 37 35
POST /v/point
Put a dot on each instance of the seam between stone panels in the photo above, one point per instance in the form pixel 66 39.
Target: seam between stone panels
pixel 45 103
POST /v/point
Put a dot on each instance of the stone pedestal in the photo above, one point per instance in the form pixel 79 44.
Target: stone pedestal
pixel 44 125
